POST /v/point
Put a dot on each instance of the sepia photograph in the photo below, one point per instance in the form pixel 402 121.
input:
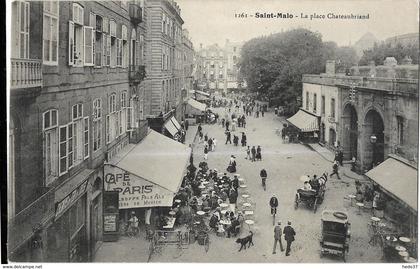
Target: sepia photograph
pixel 210 131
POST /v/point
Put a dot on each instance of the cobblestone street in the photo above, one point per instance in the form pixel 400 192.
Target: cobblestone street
pixel 284 163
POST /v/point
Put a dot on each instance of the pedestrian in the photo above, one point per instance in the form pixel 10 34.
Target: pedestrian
pixel 200 135
pixel 233 197
pixel 277 237
pixel 199 127
pixel 353 164
pixel 243 139
pixel 210 142
pixel 253 153
pixel 186 125
pixel 262 112
pixel 289 236
pixel 243 121
pixel 206 138
pixel 248 153
pixel 227 125
pixel 228 137
pixel 223 123
pixel 235 140
pixel 206 151
pixel 258 156
pixel 257 114
pixel 214 144
pixel 335 170
pixel 340 157
pixel 232 165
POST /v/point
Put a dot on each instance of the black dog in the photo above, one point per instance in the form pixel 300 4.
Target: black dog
pixel 245 240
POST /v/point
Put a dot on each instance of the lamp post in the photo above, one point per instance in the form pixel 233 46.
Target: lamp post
pixel 373 140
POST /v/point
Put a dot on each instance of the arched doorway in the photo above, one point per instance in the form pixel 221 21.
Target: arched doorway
pixel 374 139
pixel 350 134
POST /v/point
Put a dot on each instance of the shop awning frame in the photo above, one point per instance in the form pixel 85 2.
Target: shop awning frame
pixel 195 106
pixel 304 121
pixel 398 179
pixel 173 126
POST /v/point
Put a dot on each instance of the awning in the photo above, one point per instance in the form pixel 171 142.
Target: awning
pixel 203 93
pixel 194 107
pixel 172 126
pixel 148 174
pixel 304 121
pixel 398 179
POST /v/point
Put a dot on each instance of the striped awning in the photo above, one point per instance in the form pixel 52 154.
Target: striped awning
pixel 304 121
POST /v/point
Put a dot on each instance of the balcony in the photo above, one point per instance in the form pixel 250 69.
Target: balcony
pixel 137 74
pixel 136 13
pixel 25 73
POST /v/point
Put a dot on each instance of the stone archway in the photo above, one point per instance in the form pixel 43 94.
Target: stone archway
pixel 374 150
pixel 351 132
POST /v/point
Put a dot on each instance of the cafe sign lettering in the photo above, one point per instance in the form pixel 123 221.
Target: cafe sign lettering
pixel 135 191
pixel 70 199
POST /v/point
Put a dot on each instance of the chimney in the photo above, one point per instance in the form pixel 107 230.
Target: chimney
pixel 330 67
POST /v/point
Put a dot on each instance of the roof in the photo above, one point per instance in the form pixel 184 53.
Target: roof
pixel 328 215
pixel 304 121
pixel 398 179
pixel 157 159
pixel 173 126
pixel 196 105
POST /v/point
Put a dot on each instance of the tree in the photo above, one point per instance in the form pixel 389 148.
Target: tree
pixel 379 52
pixel 273 65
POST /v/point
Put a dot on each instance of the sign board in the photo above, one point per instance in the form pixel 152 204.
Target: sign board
pixel 110 222
pixel 70 199
pixel 134 191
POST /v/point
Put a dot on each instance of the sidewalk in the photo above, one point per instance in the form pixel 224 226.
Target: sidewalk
pixel 329 156
pixel 191 134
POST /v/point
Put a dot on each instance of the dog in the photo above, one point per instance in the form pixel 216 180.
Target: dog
pixel 245 240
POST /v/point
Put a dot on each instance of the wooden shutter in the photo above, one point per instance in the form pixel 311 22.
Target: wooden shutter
pixel 71 43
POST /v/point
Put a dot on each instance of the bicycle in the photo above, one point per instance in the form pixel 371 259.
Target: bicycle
pixel 273 213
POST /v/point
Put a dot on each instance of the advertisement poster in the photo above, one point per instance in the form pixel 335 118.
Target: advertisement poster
pixel 110 222
pixel 135 192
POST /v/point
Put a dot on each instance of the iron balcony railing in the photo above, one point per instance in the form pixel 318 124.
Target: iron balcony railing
pixel 136 13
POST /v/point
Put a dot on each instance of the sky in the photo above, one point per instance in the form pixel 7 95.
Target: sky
pixel 213 21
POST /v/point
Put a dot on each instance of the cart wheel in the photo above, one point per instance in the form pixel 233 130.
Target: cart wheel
pixel 206 243
pixel 296 202
pixel 315 205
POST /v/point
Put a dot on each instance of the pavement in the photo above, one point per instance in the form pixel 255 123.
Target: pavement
pixel 285 163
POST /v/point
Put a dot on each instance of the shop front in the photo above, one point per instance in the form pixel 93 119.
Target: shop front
pixel 67 239
pixel 306 127
pixel 147 176
pixel 194 111
pixel 396 185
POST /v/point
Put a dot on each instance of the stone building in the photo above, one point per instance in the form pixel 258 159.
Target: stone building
pixel 76 96
pixel 376 111
pixel 220 66
pixel 165 75
pixel 188 64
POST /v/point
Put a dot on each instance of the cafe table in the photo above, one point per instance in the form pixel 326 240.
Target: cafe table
pixel 201 213
pixel 404 239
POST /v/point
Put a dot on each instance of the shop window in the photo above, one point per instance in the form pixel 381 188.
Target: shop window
pixel 50 147
pixel 97 124
pixel 50 32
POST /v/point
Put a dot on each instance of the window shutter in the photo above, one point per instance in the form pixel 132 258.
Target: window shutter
pixel 104 49
pixel 71 43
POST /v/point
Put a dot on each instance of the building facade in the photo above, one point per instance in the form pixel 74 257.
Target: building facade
pixel 376 111
pixel 165 74
pixel 188 64
pixel 75 100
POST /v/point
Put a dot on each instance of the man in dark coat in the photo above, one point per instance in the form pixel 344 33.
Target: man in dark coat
pixel 274 203
pixel 289 236
pixel 253 153
pixel 258 156
pixel 235 183
pixel 235 140
pixel 199 127
pixel 277 237
pixel 228 138
pixel 243 139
